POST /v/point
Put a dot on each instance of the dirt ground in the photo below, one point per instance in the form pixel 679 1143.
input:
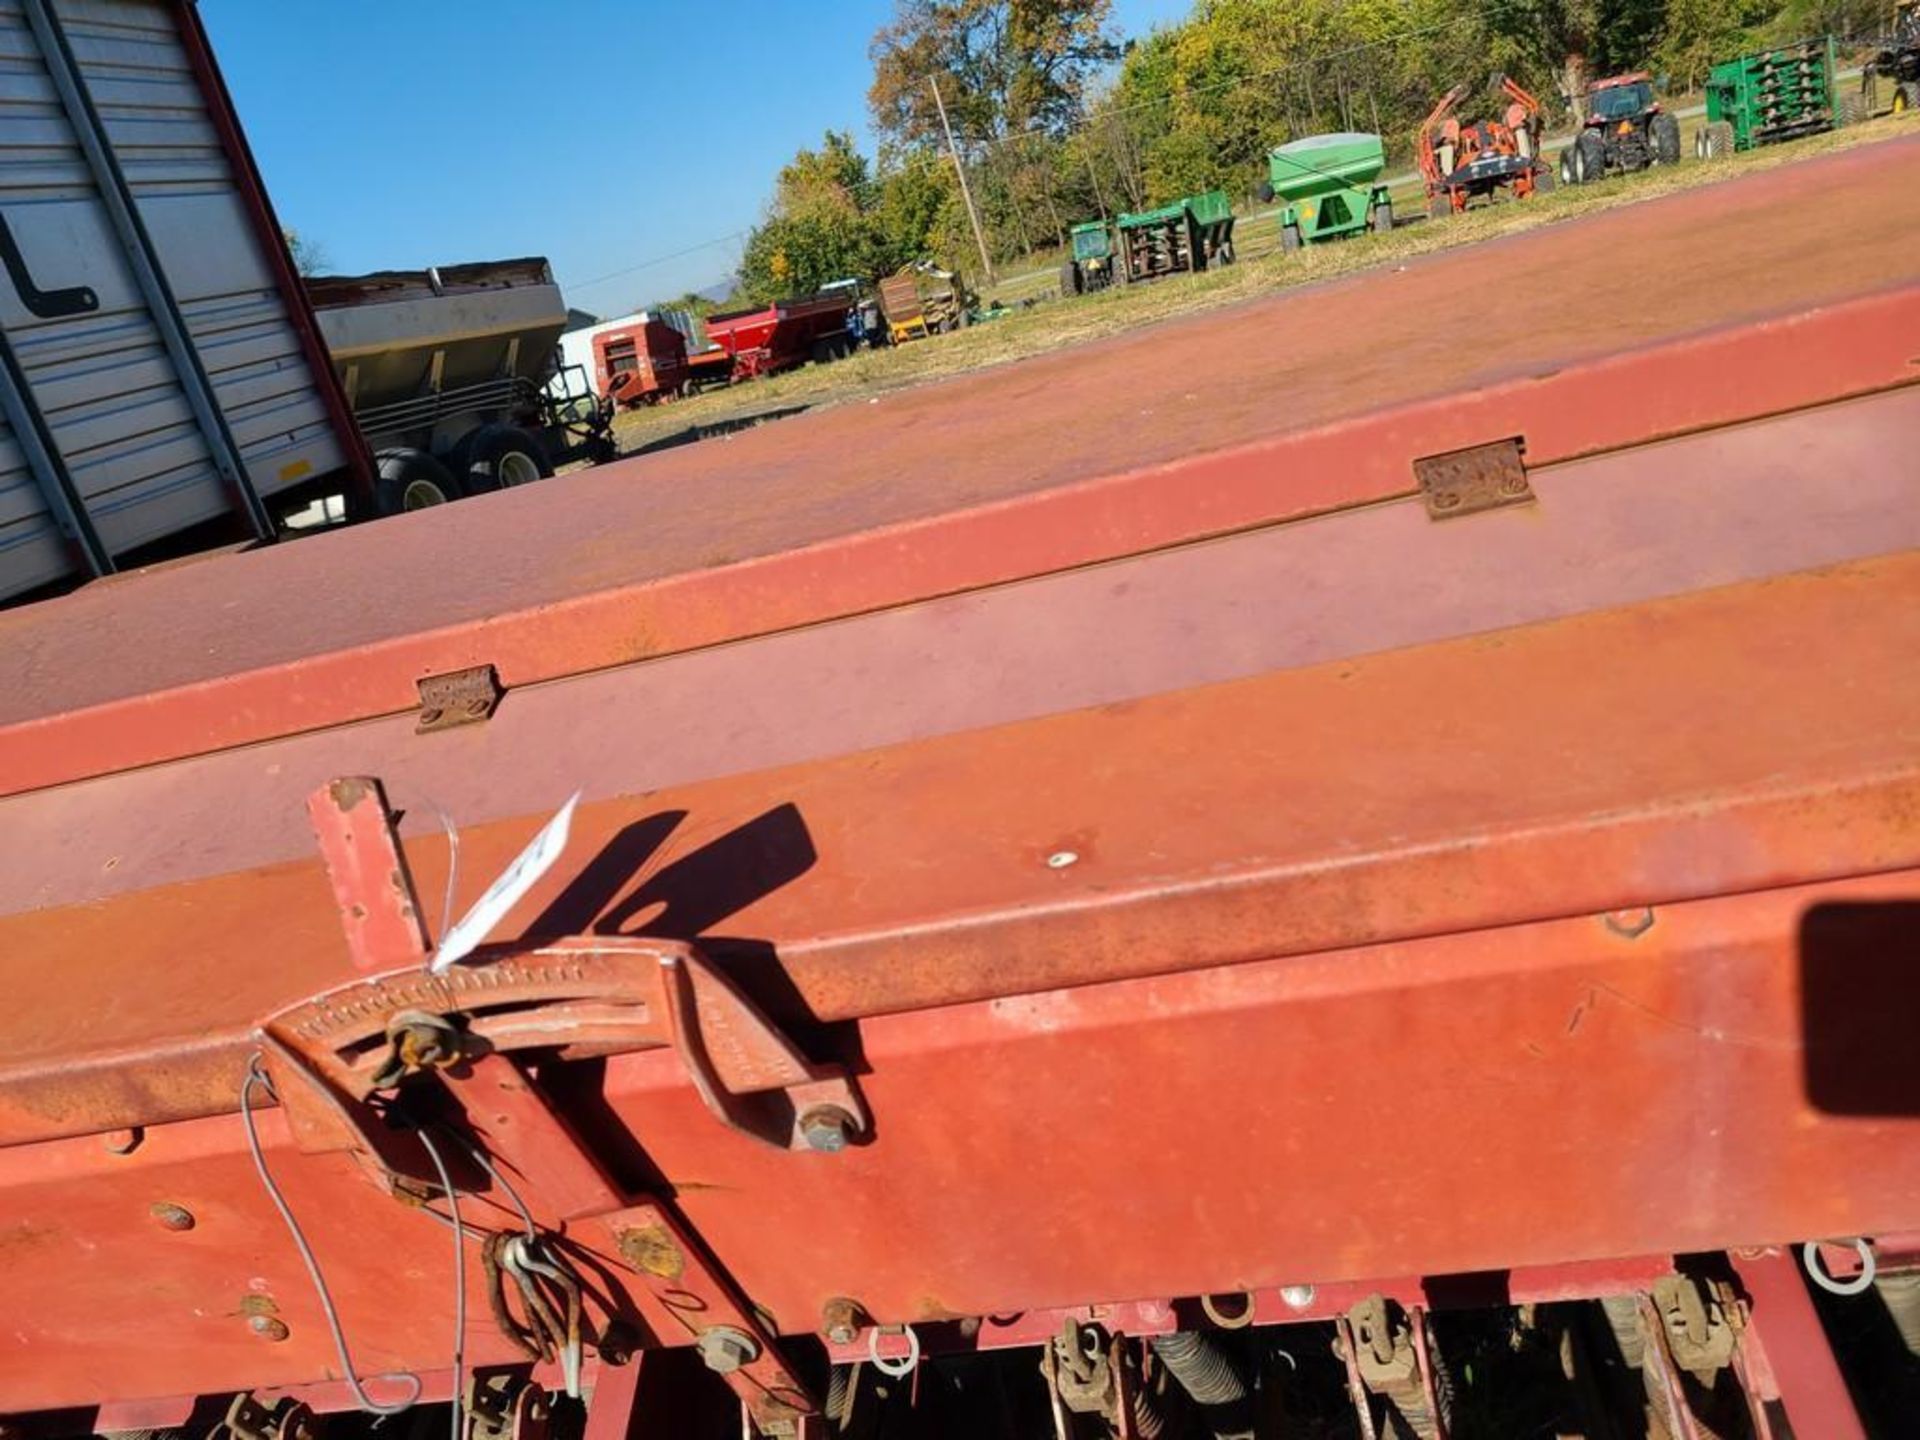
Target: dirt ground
pixel 1048 323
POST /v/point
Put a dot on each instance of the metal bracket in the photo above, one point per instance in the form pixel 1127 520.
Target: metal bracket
pixel 506 1407
pixel 1091 1372
pixel 459 697
pixel 573 997
pixel 1465 482
pixel 331 1054
pixel 1701 1321
pixel 1386 1353
pixel 249 1419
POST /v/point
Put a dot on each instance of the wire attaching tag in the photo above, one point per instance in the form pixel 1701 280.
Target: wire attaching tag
pixel 507 891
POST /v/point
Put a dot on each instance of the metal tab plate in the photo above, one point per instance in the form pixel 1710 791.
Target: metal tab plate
pixel 1464 482
pixel 459 697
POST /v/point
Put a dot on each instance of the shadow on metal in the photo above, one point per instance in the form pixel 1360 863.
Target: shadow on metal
pixel 1860 1006
pixel 711 429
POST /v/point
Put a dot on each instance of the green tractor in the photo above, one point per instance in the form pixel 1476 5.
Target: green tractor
pixel 1090 263
pixel 1330 184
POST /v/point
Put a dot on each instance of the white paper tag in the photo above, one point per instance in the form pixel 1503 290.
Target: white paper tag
pixel 506 892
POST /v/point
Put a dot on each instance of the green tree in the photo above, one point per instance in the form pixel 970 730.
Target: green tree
pixel 818 228
pixel 1005 67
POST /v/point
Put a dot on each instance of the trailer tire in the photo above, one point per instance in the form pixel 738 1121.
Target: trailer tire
pixel 498 457
pixel 1381 220
pixel 1715 140
pixel 1906 96
pixel 411 479
pixel 1291 239
pixel 1664 131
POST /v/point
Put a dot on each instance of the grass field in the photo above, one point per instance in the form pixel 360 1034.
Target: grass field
pixel 1049 323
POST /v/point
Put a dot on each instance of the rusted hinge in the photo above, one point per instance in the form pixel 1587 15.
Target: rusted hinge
pixel 459 697
pixel 1464 482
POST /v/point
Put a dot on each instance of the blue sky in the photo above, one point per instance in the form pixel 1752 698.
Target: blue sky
pixel 405 133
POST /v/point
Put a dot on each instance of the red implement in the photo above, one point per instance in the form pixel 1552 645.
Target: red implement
pixel 1323 844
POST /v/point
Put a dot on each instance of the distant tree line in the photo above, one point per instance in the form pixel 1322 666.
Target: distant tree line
pixel 1057 120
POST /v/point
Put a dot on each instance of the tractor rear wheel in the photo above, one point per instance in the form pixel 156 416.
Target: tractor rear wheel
pixel 1664 131
pixel 1589 158
pixel 1070 282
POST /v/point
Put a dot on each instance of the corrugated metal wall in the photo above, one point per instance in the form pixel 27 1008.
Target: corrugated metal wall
pixel 113 400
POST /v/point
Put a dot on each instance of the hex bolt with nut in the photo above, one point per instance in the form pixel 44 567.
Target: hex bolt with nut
pixel 267 1327
pixel 725 1349
pixel 840 1321
pixel 827 1128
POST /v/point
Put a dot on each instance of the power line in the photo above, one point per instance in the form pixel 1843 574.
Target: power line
pixel 656 260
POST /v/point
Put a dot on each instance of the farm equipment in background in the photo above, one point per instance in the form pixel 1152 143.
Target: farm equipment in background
pixel 866 320
pixel 1330 186
pixel 1460 162
pixel 642 363
pixel 1191 234
pixel 921 299
pixel 1626 129
pixel 782 335
pixel 1769 96
pixel 451 374
pixel 1896 60
pixel 1092 263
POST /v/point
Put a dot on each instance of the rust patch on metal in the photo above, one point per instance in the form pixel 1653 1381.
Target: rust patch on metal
pixel 348 791
pixel 651 1250
pixel 1465 482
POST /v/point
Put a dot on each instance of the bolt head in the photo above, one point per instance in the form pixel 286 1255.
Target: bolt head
pixel 172 1216
pixel 1630 924
pixel 1296 1297
pixel 267 1327
pixel 121 1142
pixel 840 1320
pixel 826 1128
pixel 725 1349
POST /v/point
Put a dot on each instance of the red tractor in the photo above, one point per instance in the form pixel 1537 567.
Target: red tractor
pixel 1626 130
pixel 1460 161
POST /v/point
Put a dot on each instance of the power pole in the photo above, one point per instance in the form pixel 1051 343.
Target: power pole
pixel 966 195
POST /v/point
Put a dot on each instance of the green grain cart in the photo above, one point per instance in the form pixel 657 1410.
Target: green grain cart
pixel 1775 95
pixel 1330 186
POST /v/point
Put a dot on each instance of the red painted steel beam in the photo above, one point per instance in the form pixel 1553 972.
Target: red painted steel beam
pixel 1796 492
pixel 1574 1093
pixel 1723 741
pixel 816 520
pixel 1797 1353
